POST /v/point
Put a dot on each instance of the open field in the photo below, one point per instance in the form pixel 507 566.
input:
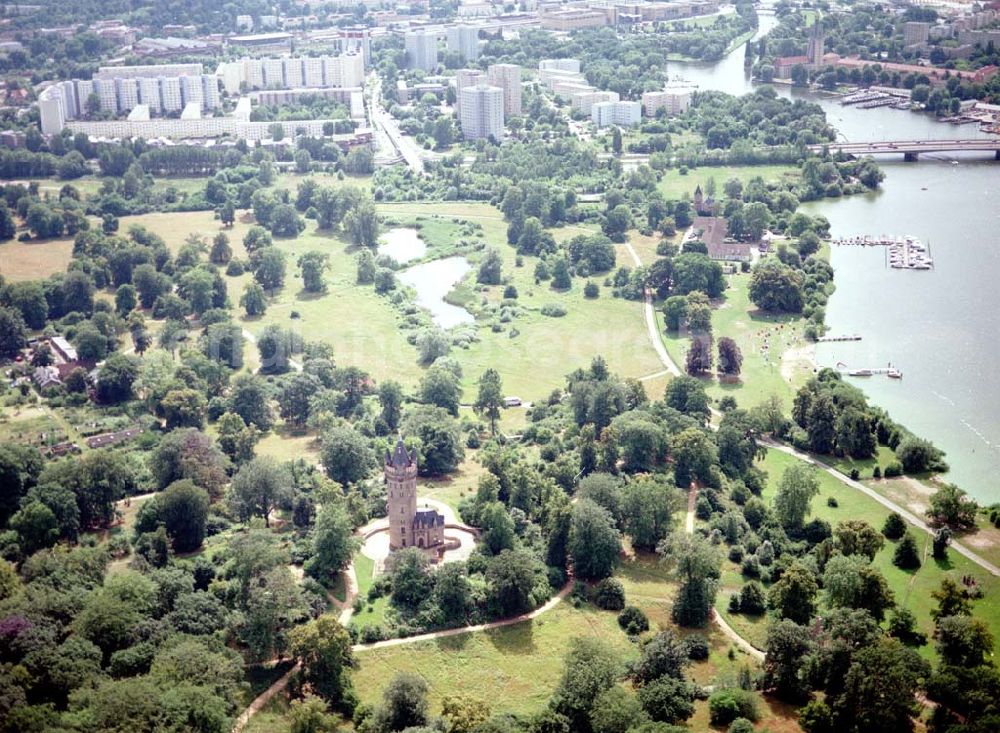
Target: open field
pixel 521 665
pixel 675 185
pixel 34 260
pixel 777 359
pixel 912 588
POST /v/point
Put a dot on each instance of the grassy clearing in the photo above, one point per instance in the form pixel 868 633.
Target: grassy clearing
pixel 521 665
pixel 777 359
pixel 34 260
pixel 454 487
pixel 282 445
pixel 675 185
pixel 912 588
pixel 515 667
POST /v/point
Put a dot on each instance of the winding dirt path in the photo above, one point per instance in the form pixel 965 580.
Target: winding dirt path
pixel 650 315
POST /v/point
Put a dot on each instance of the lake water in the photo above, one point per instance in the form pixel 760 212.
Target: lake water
pixel 938 326
pixel 402 244
pixel 432 281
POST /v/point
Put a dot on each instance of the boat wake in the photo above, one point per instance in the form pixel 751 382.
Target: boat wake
pixel 979 434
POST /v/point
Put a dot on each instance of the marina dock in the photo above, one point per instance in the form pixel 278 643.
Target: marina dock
pixel 904 253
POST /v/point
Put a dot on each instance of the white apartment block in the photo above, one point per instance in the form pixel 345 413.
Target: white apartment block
pixel 468 78
pixel 210 92
pixel 421 50
pixel 151 71
pixel 674 100
pixel 84 88
pixel 571 65
pixel 464 39
pixel 548 77
pixel 584 101
pixel 508 78
pixel 481 112
pixel 312 72
pixel 128 93
pixel 274 73
pixel 623 114
pixel 170 93
pixel 204 128
pixel 192 90
pixel 149 94
pixel 293 73
pixel 106 94
pixel 346 70
pixel 567 89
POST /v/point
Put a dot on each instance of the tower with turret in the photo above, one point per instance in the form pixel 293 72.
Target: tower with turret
pixel 408 527
pixel 401 495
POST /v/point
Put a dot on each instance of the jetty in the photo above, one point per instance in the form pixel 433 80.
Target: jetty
pixel 904 253
pixel 888 371
pixel 842 337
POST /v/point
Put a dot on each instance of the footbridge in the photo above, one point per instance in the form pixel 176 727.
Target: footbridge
pixel 910 149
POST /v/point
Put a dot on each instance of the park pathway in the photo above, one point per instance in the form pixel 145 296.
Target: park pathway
pixel 650 315
pixel 444 634
pixel 345 616
pixel 715 615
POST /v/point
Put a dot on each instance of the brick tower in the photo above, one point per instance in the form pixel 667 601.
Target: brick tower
pixel 401 486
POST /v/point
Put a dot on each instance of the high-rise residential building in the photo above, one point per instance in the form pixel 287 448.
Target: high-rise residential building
pixel 170 93
pixel 481 112
pixel 71 102
pixel 312 72
pixel 51 110
pixel 192 90
pixel 107 94
pixel 274 73
pixel 210 92
pixel 467 78
pixel 346 70
pixel 128 93
pixel 253 73
pixel 421 50
pixel 915 33
pixel 508 78
pixel 623 114
pixel 464 40
pixel 571 65
pixel 84 88
pixel 149 94
pixel 357 40
pixel 293 72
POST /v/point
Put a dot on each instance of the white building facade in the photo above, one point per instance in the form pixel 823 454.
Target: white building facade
pixel 481 112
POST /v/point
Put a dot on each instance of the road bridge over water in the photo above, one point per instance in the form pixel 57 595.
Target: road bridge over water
pixel 910 149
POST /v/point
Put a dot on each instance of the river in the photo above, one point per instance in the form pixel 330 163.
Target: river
pixel 936 327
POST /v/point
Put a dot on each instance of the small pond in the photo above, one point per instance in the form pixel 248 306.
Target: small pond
pixel 433 281
pixel 403 244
